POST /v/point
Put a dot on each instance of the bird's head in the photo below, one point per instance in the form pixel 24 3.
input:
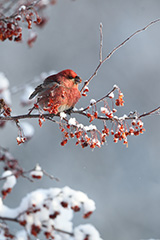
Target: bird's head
pixel 71 76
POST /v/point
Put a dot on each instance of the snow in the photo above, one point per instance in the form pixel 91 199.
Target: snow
pixel 104 110
pixel 72 121
pixel 91 127
pixel 2 237
pixel 80 125
pixel 37 172
pixel 10 180
pixel 123 117
pixel 63 115
pixel 27 129
pixel 115 86
pixel 18 17
pixel 111 95
pixel 24 99
pixel 22 8
pixel 21 235
pixel 92 101
pixel 47 201
pixel 81 109
pixel 81 231
pixel 4 89
pixel 6 96
pixel 89 206
pixel 6 212
pixel 95 140
pixel 4 83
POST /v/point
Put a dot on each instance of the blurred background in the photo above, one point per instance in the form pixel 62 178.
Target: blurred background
pixel 124 182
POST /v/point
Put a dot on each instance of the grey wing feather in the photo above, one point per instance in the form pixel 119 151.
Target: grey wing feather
pixel 43 87
pixel 37 90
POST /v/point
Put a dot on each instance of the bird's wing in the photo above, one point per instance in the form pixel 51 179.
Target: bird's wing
pixel 48 83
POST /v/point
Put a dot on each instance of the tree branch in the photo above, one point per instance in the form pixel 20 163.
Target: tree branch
pixel 115 49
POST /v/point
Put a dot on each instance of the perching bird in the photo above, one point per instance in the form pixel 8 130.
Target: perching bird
pixel 58 92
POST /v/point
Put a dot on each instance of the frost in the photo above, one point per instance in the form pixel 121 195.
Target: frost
pixel 28 130
pixel 10 180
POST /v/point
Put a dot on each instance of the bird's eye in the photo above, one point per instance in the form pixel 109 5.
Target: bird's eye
pixel 70 77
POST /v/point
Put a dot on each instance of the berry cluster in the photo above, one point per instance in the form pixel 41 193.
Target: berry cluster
pixel 5 110
pixel 11 26
pixel 53 207
pixel 120 127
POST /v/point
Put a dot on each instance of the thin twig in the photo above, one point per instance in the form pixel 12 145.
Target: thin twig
pixel 8 219
pixel 149 113
pixel 101 42
pixel 82 112
pixel 63 231
pixel 115 49
pixel 49 175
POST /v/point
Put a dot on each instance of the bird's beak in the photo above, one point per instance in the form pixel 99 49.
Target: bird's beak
pixel 77 79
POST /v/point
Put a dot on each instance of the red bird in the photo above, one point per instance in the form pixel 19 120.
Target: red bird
pixel 58 92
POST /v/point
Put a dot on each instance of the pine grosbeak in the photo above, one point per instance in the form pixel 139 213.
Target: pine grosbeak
pixel 58 92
